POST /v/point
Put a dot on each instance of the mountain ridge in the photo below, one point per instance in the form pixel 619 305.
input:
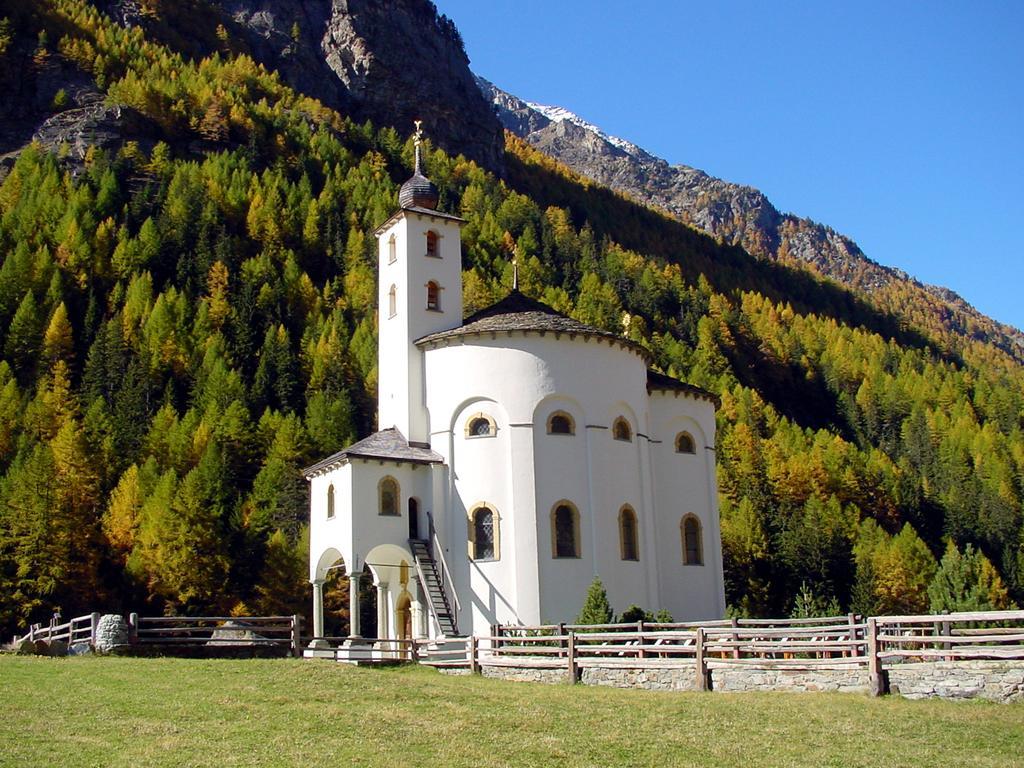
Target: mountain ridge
pixel 734 213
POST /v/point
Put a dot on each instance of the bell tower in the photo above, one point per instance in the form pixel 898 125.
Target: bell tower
pixel 419 292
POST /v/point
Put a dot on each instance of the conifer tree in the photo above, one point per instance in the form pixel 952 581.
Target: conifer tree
pixel 121 519
pixel 966 582
pixel 23 337
pixel 596 608
pixel 283 580
pixel 58 343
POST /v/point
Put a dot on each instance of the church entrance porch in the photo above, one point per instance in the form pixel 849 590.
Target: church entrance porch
pixel 382 634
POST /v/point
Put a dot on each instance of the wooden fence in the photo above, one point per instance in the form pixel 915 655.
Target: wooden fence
pixel 81 629
pixel 833 643
pixel 217 631
pixel 282 632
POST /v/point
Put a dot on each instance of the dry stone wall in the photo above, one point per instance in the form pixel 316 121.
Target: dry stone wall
pixel 682 678
pixel 737 679
pixel 993 680
pixel 526 674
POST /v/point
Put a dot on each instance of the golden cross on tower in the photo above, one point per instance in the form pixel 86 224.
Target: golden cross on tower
pixel 417 138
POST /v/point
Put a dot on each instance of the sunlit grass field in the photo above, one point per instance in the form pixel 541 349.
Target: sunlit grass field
pixel 139 712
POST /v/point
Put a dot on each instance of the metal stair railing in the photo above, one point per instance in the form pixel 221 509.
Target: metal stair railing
pixel 445 575
pixel 430 582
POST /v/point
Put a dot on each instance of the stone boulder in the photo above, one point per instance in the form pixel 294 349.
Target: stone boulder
pixel 57 648
pixel 236 633
pixel 111 633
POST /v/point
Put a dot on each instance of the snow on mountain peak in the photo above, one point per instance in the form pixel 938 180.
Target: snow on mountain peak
pixel 558 114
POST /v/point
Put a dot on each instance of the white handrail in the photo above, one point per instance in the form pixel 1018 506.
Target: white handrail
pixel 423 584
pixel 444 568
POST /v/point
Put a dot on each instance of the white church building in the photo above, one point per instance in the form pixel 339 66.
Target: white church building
pixel 521 453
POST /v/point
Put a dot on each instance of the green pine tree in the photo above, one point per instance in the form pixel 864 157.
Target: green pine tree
pixel 596 608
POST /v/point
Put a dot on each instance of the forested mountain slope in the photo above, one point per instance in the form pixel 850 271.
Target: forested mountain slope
pixel 187 317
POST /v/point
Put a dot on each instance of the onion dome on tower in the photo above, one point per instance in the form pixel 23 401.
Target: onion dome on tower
pixel 418 191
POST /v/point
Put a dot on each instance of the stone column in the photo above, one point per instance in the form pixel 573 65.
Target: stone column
pixel 417 620
pixel 318 614
pixel 353 605
pixel 382 611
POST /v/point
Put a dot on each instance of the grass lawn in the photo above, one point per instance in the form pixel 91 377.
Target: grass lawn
pixel 89 711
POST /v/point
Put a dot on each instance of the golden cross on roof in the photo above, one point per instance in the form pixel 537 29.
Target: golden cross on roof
pixel 417 137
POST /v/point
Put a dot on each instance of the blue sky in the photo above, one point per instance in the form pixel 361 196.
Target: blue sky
pixel 899 124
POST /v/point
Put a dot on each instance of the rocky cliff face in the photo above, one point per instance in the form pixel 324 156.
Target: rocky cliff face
pixel 389 61
pixel 734 213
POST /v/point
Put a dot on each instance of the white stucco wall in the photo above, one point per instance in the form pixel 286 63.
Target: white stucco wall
pixel 399 363
pixel 686 484
pixel 524 473
pixel 357 527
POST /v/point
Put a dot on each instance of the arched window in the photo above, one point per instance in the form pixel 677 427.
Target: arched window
pixel 684 443
pixel 484 530
pixel 432 243
pixel 480 425
pixel 388 491
pixel 621 430
pixel 628 546
pixel 565 530
pixel 693 548
pixel 561 423
pixel 433 296
pixel 330 501
pixel 392 250
pixel 392 301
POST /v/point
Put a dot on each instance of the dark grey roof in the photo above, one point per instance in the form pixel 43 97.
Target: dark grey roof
pixel 386 445
pixel 419 192
pixel 517 312
pixel 659 381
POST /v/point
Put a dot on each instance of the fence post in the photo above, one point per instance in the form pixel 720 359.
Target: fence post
pixel 296 635
pixel 640 628
pixel 876 676
pixel 474 661
pixel 735 637
pixel 94 625
pixel 947 630
pixel 702 664
pixel 573 675
pixel 133 627
pixel 561 631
